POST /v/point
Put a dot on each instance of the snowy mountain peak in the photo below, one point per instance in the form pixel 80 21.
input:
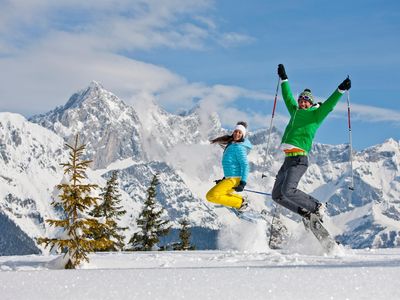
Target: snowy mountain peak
pixel 95 85
pixel 95 95
pixel 8 120
pixel 110 129
pixel 390 145
pixel 15 130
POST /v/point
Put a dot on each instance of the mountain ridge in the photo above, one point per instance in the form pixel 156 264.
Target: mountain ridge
pixel 123 137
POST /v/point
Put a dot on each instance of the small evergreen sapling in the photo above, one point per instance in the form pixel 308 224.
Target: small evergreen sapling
pixel 110 211
pixel 184 235
pixel 150 222
pixel 75 201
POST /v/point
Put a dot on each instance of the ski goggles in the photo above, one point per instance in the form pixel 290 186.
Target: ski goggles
pixel 306 98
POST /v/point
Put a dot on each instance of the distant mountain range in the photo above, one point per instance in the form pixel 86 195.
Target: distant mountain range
pixel 142 141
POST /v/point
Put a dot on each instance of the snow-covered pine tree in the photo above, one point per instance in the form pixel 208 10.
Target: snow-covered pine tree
pixel 150 222
pixel 110 211
pixel 184 235
pixel 75 200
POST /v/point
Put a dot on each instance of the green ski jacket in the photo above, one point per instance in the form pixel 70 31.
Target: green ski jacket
pixel 304 123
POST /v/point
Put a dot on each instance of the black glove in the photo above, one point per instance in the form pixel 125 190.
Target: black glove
pixel 345 85
pixel 282 72
pixel 240 187
pixel 219 180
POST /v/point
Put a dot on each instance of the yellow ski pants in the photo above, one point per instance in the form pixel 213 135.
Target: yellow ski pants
pixel 223 193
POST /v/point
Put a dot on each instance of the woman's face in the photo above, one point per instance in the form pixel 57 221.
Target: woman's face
pixel 237 135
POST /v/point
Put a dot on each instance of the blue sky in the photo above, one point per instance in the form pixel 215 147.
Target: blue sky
pixel 222 54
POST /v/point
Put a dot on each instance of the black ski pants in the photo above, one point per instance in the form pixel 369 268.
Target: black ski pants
pixel 285 191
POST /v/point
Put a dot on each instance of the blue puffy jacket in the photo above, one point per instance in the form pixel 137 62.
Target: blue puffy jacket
pixel 234 160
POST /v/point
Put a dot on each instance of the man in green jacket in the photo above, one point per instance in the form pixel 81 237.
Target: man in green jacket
pixel 305 118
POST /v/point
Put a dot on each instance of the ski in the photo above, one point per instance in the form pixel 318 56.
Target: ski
pixel 320 232
pixel 251 215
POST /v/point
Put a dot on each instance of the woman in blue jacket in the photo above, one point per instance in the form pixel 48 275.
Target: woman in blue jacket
pixel 235 166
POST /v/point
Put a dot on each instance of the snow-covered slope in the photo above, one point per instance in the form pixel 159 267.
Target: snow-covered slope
pixel 200 275
pixel 30 157
pixel 373 208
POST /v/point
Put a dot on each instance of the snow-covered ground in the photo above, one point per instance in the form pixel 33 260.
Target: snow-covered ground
pixel 355 274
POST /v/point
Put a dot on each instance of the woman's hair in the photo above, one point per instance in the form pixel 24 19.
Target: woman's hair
pixel 224 140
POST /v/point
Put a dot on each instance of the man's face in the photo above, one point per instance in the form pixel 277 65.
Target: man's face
pixel 304 104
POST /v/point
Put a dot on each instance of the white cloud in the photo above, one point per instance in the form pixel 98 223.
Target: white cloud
pixel 108 25
pixel 230 116
pixel 220 97
pixel 49 74
pixel 49 49
pixel 369 114
pixel 233 39
pixel 207 21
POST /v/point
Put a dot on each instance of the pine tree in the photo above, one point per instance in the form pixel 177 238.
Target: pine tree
pixel 75 201
pixel 111 212
pixel 184 235
pixel 151 225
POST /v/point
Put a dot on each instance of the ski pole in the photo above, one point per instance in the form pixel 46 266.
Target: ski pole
pixel 274 216
pixel 350 142
pixel 267 153
pixel 257 192
pixel 272 119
